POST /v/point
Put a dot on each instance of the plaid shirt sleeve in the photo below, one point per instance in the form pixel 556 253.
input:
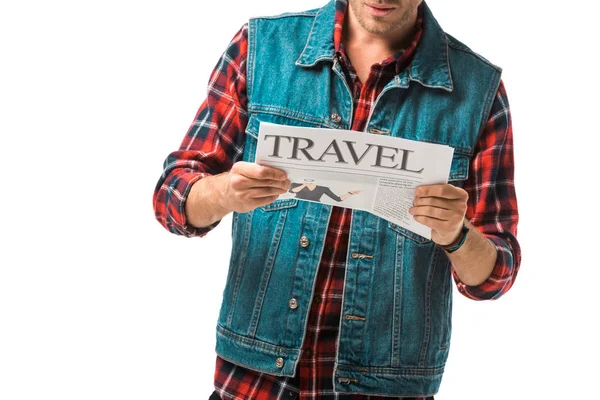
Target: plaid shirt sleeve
pixel 492 205
pixel 214 141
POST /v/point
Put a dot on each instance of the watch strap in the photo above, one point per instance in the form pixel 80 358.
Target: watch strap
pixel 463 237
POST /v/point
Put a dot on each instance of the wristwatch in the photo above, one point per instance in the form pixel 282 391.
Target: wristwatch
pixel 463 237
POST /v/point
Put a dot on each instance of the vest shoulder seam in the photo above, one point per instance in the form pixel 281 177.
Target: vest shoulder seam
pixel 456 44
pixel 310 13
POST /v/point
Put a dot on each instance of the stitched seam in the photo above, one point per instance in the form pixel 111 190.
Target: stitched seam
pixel 408 371
pixel 267 275
pixel 309 13
pixel 284 112
pixel 275 350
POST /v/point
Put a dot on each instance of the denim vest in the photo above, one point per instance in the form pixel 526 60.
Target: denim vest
pixel 394 330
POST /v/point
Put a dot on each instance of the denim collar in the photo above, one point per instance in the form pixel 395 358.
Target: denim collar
pixel 430 65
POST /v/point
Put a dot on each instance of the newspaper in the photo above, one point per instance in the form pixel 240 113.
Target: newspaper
pixel 368 172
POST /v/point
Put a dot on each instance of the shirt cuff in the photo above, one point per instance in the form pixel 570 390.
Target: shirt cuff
pixel 178 223
pixel 501 278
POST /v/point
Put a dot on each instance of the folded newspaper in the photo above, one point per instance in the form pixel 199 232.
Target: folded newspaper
pixel 355 170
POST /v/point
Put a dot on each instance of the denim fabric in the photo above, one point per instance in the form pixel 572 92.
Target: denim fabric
pixel 394 334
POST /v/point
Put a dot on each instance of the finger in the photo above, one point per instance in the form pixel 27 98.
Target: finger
pixel 445 191
pixel 433 223
pixel 256 171
pixel 241 183
pixel 256 193
pixel 285 185
pixel 448 204
pixel 432 212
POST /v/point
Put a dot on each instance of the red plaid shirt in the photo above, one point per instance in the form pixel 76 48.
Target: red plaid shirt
pixel 215 141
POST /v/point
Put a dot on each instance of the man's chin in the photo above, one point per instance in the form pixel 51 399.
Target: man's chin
pixel 377 28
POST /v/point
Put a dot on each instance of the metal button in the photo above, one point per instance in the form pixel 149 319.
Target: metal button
pixel 293 304
pixel 335 117
pixel 355 255
pixel 279 362
pixel 304 242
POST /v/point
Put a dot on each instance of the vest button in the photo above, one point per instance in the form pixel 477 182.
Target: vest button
pixel 355 255
pixel 279 362
pixel 335 117
pixel 293 303
pixel 304 242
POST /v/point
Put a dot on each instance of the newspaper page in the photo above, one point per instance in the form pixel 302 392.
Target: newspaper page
pixel 368 172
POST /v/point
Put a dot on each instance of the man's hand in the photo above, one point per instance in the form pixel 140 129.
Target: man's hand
pixel 248 186
pixel 442 208
pixel 245 187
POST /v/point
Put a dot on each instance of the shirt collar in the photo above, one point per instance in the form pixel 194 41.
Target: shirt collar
pixel 400 59
pixel 430 65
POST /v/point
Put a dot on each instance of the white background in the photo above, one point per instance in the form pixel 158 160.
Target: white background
pixel 97 301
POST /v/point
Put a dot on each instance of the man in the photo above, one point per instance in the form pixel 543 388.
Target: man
pixel 327 302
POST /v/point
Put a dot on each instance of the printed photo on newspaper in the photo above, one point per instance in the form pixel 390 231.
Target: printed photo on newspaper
pixel 368 172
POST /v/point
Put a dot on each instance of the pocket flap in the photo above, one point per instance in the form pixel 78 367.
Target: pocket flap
pixel 459 169
pixel 280 204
